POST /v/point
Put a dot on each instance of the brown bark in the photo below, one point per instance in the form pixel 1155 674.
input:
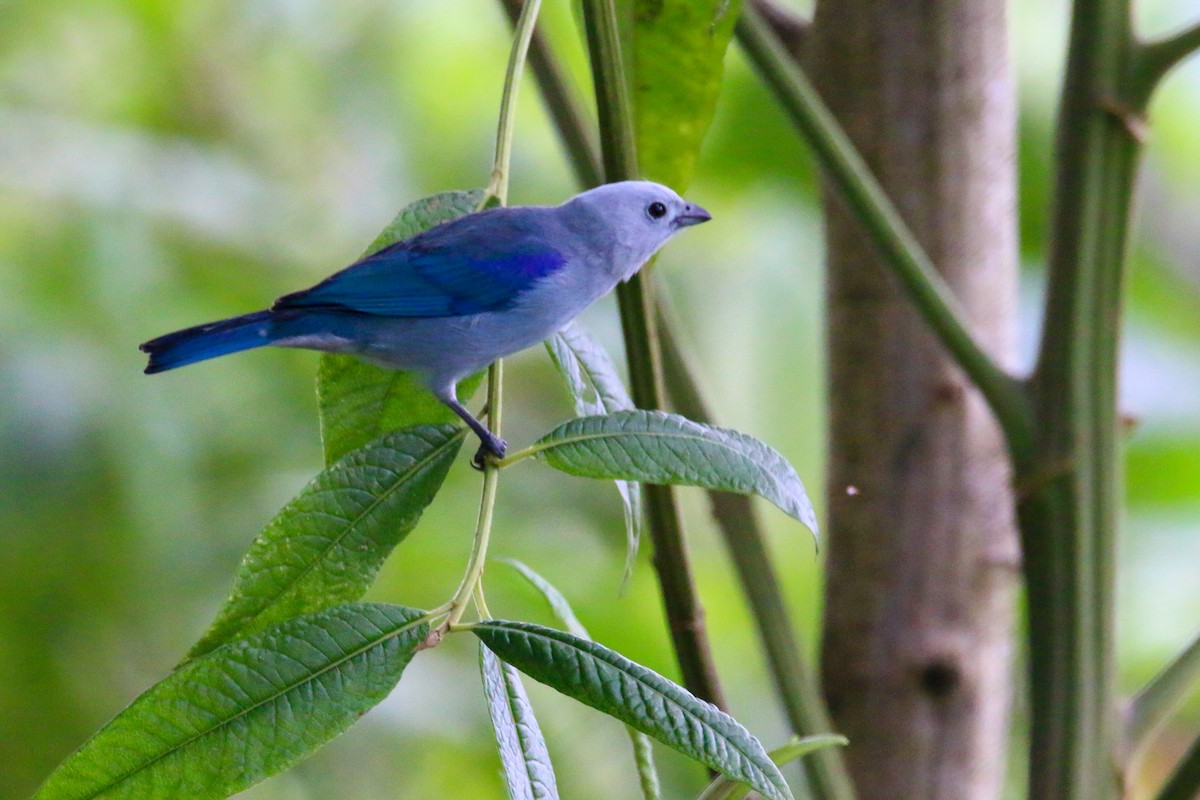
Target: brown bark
pixel 922 547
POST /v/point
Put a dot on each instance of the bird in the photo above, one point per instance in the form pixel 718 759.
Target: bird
pixel 449 301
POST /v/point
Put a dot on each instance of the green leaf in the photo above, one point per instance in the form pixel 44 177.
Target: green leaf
pixel 326 546
pixel 596 387
pixel 639 697
pixel 643 755
pixel 678 66
pixel 527 769
pixel 358 401
pixel 558 603
pixel 655 447
pixel 247 710
pixel 589 372
pixel 426 213
pixel 723 788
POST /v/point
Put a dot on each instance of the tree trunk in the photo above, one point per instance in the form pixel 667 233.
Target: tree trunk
pixel 922 557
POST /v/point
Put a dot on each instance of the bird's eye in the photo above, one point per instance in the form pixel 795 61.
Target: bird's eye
pixel 656 210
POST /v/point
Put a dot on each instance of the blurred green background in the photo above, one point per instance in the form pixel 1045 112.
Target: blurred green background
pixel 164 162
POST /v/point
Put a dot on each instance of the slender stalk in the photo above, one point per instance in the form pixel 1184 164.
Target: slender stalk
pixel 1154 59
pixel 902 253
pixel 795 682
pixel 643 756
pixel 562 104
pixel 1161 697
pixel 487 503
pixel 788 26
pixel 498 186
pixel 685 615
pixel 617 153
pixel 734 515
pixel 470 587
pixel 1069 513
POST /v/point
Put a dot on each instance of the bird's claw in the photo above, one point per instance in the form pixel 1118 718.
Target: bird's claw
pixel 496 448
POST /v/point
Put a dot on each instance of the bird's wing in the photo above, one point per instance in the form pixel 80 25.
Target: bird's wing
pixel 468 266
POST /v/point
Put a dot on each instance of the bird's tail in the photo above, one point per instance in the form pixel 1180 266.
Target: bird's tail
pixel 206 341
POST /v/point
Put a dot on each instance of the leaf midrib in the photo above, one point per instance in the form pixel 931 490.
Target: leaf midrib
pixel 230 720
pixel 585 437
pixel 351 526
pixel 602 656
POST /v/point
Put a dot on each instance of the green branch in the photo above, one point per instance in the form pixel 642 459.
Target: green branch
pixel 901 251
pixel 471 586
pixel 1069 514
pixel 562 104
pixel 685 615
pixel 795 683
pixel 1154 59
pixel 498 186
pixel 734 514
pixel 1158 699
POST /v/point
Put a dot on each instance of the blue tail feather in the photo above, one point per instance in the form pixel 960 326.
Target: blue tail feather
pixel 207 341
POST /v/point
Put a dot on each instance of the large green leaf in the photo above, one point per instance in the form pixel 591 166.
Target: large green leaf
pixel 527 769
pixel 678 65
pixel 639 697
pixel 359 401
pixel 326 546
pixel 246 710
pixel 592 379
pixel 656 447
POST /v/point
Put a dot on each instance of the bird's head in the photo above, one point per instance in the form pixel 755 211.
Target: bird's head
pixel 636 217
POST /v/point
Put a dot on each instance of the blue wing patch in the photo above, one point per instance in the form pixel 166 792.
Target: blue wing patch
pixel 455 269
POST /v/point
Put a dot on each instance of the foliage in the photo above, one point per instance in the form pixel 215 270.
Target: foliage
pixel 292 659
pixel 218 149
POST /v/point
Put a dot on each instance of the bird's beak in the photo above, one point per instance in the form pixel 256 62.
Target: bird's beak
pixel 692 215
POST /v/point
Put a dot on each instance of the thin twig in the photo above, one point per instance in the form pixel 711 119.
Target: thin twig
pixel 795 682
pixel 734 514
pixel 685 615
pixel 789 27
pixel 1154 59
pixel 902 253
pixel 562 104
pixel 470 586
pixel 498 186
pixel 1158 699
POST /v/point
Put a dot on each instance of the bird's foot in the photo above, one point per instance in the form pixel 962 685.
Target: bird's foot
pixel 489 447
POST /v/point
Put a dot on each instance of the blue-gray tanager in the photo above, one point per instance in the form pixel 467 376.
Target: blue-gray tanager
pixel 451 300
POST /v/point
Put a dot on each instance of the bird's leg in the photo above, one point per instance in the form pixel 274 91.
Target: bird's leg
pixel 489 442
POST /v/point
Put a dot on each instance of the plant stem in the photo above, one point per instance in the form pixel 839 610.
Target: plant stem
pixel 902 253
pixel 617 149
pixel 1161 697
pixel 643 757
pixel 487 503
pixel 1153 60
pixel 734 514
pixel 685 614
pixel 498 186
pixel 1069 513
pixel 795 682
pixel 562 104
